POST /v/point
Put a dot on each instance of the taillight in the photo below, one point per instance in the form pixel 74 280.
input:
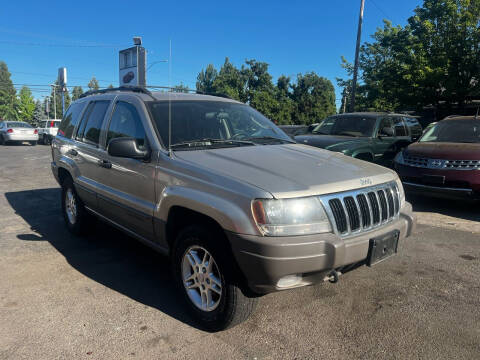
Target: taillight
pixel 35 131
pixel 52 124
pixel 10 131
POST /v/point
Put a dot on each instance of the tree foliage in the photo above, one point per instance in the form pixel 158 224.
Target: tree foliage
pixel 308 101
pixel 39 112
pixel 8 99
pixel 76 92
pixel 26 105
pixel 93 84
pixel 434 58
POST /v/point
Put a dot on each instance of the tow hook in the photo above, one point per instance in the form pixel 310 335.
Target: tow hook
pixel 333 276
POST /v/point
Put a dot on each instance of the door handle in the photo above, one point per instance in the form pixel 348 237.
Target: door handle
pixel 73 152
pixel 105 164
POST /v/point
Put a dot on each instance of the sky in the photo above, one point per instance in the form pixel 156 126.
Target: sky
pixel 36 38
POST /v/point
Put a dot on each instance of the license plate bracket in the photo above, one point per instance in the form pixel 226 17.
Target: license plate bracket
pixel 382 247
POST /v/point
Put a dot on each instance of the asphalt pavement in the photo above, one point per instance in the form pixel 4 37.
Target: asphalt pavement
pixel 105 296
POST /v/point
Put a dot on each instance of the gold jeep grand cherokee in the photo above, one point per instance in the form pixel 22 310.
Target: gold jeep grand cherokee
pixel 240 208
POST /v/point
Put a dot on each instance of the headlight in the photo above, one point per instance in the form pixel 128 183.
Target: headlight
pixel 401 192
pixel 399 158
pixel 287 217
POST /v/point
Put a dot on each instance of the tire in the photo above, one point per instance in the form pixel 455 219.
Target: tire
pixel 74 213
pixel 45 140
pixel 2 140
pixel 227 306
pixel 33 143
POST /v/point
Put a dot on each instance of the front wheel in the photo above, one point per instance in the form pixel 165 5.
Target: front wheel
pixel 204 274
pixel 33 143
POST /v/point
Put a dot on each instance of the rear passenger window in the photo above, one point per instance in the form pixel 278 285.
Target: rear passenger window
pixel 400 129
pixel 126 123
pixel 70 120
pixel 90 127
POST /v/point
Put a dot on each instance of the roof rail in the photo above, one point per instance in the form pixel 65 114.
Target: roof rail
pixel 120 88
pixel 452 116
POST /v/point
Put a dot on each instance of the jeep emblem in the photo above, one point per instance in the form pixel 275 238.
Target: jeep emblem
pixel 366 181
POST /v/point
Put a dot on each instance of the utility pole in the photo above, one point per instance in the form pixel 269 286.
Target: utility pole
pixel 357 50
pixel 54 100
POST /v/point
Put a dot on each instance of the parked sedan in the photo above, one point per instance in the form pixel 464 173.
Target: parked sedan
pixel 375 137
pixel 446 160
pixel 17 131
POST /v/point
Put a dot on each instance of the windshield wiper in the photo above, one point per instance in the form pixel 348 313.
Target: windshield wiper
pixel 271 138
pixel 210 142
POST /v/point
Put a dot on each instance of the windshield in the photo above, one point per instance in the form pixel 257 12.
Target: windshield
pixel 18 124
pixel 459 131
pixel 227 123
pixel 346 125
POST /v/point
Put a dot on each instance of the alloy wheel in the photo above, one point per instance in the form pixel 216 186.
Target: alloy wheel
pixel 201 278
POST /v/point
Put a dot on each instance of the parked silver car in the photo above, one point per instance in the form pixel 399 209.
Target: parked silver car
pixel 240 208
pixel 47 129
pixel 17 131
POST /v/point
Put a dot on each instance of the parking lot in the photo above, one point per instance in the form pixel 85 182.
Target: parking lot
pixel 106 295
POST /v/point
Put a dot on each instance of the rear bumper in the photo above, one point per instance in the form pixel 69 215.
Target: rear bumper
pixel 265 260
pixel 20 137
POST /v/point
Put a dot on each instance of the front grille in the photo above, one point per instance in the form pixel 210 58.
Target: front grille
pixel 462 164
pixel 415 161
pixel 362 210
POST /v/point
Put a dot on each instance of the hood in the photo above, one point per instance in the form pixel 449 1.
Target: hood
pixel 290 170
pixel 326 141
pixel 445 151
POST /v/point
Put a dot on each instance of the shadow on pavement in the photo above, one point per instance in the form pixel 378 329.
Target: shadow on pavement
pixel 106 255
pixel 466 210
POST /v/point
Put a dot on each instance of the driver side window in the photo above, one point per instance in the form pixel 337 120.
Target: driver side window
pixel 386 127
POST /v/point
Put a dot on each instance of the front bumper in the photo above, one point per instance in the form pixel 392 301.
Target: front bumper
pixel 265 260
pixel 458 184
pixel 21 137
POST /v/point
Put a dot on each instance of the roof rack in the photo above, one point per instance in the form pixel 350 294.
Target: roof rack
pixel 120 88
pixel 452 116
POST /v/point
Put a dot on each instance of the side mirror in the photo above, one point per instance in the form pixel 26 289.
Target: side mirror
pixel 127 147
pixel 386 131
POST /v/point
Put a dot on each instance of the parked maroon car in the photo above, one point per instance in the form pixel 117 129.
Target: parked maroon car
pixel 445 162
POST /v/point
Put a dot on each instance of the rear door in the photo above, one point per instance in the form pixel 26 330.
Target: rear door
pixel 128 194
pixel 402 135
pixel 87 153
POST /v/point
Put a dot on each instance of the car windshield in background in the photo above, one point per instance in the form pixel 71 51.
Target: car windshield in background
pixel 200 124
pixel 458 131
pixel 346 126
pixel 18 124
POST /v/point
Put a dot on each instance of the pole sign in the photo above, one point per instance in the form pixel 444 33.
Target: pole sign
pixel 132 66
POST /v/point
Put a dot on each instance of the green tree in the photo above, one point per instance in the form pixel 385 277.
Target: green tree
pixel 314 97
pixel 286 106
pixel 434 59
pixel 230 82
pixel 110 86
pixel 26 105
pixel 76 92
pixel 206 79
pixel 39 112
pixel 8 98
pixel 93 84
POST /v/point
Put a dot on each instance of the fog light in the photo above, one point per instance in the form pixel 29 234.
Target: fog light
pixel 289 281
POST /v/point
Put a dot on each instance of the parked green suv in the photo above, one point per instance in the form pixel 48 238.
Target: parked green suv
pixel 375 137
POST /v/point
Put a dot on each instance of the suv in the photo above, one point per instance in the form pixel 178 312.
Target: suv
pixel 375 137
pixel 203 179
pixel 47 130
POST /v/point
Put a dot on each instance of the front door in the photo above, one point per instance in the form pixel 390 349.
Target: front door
pixel 385 142
pixel 128 195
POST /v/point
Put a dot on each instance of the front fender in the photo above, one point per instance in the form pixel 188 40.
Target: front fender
pixel 234 216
